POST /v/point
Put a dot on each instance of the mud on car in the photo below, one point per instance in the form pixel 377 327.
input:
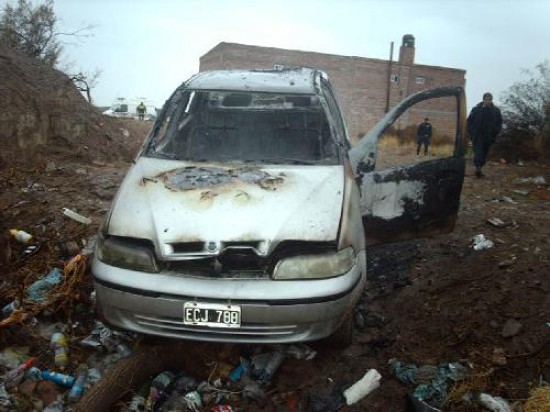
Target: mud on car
pixel 246 215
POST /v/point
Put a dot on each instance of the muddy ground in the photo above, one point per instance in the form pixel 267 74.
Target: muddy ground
pixel 428 302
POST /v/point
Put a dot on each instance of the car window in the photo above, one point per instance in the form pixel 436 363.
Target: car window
pixel 247 127
pixel 425 131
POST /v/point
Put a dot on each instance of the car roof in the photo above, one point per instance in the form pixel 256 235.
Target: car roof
pixel 285 80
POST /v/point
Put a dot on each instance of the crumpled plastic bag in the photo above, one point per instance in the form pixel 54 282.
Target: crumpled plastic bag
pixel 481 242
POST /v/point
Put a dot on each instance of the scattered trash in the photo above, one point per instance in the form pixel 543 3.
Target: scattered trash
pixel 272 365
pixel 56 406
pixel 103 337
pixel 494 403
pixel 137 404
pixel 193 401
pixel 521 192
pixel 539 180
pixel 59 378
pixel 504 199
pixel 158 388
pixel 13 377
pixel 495 221
pixel 480 242
pixel 10 307
pixel 300 351
pixel 77 390
pixel 21 235
pixel 61 349
pixel 76 216
pixel 421 406
pixel 369 382
pixel 264 365
pixel 39 289
pixel 436 379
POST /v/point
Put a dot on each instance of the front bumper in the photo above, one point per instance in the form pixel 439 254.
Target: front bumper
pixel 271 311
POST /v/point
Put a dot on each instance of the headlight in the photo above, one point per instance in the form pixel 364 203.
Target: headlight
pixel 127 253
pixel 315 266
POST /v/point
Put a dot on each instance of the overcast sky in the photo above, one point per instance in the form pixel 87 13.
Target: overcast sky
pixel 146 48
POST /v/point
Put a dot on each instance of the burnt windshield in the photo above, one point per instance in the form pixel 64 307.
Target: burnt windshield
pixel 247 127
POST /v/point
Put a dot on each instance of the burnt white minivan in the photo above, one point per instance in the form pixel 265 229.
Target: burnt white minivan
pixel 246 215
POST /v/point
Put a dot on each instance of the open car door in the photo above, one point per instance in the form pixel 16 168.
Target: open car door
pixel 417 200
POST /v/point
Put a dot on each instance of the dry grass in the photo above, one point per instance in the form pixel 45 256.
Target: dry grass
pixel 474 383
pixel 539 401
pixel 394 152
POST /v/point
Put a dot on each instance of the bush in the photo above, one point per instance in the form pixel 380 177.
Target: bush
pixel 526 116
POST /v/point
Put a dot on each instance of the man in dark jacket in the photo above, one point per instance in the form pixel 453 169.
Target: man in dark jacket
pixel 423 135
pixel 484 124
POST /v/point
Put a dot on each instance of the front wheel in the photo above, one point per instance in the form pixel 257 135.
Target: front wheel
pixel 342 337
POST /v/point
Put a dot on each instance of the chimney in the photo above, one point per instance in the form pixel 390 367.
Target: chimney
pixel 406 52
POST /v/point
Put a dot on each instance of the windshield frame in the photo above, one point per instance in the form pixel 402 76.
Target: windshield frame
pixel 183 98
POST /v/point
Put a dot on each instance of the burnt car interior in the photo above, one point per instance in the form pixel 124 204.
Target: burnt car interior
pixel 265 127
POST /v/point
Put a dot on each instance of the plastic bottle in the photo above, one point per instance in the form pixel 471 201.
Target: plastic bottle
pixel 272 366
pixel 13 377
pixel 78 388
pixel 369 382
pixel 60 346
pixel 21 235
pixel 10 307
pixel 59 378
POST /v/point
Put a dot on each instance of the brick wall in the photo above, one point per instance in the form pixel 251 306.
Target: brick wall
pixel 361 84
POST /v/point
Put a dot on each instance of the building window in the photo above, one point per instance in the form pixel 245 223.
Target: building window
pixel 394 78
pixel 420 80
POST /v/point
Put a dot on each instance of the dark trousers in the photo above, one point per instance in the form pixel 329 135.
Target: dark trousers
pixel 482 144
pixel 422 140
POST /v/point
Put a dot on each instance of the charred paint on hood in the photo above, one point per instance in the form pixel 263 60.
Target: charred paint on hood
pixel 192 177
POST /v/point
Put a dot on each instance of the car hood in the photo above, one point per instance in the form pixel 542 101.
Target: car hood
pixel 173 202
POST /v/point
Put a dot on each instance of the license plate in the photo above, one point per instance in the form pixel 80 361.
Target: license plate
pixel 213 315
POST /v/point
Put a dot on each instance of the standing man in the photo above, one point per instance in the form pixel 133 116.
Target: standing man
pixel 141 109
pixel 423 135
pixel 484 124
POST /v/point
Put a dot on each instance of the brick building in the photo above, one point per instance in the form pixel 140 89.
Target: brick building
pixel 365 87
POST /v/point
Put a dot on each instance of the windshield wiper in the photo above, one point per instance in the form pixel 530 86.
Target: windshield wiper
pixel 162 155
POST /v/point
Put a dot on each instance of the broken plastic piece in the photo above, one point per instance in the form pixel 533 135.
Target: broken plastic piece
pixel 76 216
pixel 369 382
pixel 480 242
pixel 494 403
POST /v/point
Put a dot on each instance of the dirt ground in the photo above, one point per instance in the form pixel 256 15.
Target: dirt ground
pixel 428 302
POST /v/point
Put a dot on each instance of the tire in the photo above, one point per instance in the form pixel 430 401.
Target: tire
pixel 343 336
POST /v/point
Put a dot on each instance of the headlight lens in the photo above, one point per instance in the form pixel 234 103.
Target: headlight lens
pixel 315 266
pixel 127 253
